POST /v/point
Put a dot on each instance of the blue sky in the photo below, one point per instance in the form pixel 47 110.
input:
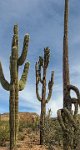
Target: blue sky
pixel 43 20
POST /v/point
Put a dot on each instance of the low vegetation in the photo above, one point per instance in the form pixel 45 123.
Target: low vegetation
pixel 53 133
pixel 4 132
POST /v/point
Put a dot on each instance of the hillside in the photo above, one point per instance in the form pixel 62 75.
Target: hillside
pixel 23 116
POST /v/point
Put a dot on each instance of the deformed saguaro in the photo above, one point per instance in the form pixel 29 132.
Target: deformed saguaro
pixel 66 118
pixel 41 70
pixel 67 100
pixel 15 85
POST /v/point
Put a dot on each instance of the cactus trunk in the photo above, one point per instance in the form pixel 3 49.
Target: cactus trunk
pixel 16 111
pixel 43 110
pixel 42 123
pixel 12 118
pixel 16 106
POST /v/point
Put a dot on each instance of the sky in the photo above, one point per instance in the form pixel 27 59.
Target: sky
pixel 43 21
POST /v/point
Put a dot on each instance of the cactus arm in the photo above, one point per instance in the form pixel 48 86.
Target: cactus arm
pixel 4 82
pixel 75 102
pixel 76 109
pixel 60 119
pixel 41 80
pixel 46 56
pixel 37 82
pixel 24 51
pixel 39 67
pixel 15 36
pixel 50 85
pixel 70 117
pixel 37 92
pixel 75 89
pixel 23 79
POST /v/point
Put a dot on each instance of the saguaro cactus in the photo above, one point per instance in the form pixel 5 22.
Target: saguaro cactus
pixel 67 100
pixel 15 86
pixel 41 67
pixel 71 130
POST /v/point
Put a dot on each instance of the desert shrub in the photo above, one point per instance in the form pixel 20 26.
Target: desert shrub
pixel 26 124
pixel 53 132
pixel 22 125
pixel 21 137
pixel 4 132
pixel 35 125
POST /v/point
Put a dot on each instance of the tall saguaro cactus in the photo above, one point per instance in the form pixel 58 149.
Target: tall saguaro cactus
pixel 67 100
pixel 41 70
pixel 15 84
pixel 65 116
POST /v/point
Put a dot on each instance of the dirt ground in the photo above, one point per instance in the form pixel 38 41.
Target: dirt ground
pixel 28 141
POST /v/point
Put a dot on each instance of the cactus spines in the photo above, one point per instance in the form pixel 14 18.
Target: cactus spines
pixel 15 84
pixel 41 67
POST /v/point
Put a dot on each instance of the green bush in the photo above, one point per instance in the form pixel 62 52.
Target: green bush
pixel 4 132
pixel 26 124
pixel 53 132
pixel 23 125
